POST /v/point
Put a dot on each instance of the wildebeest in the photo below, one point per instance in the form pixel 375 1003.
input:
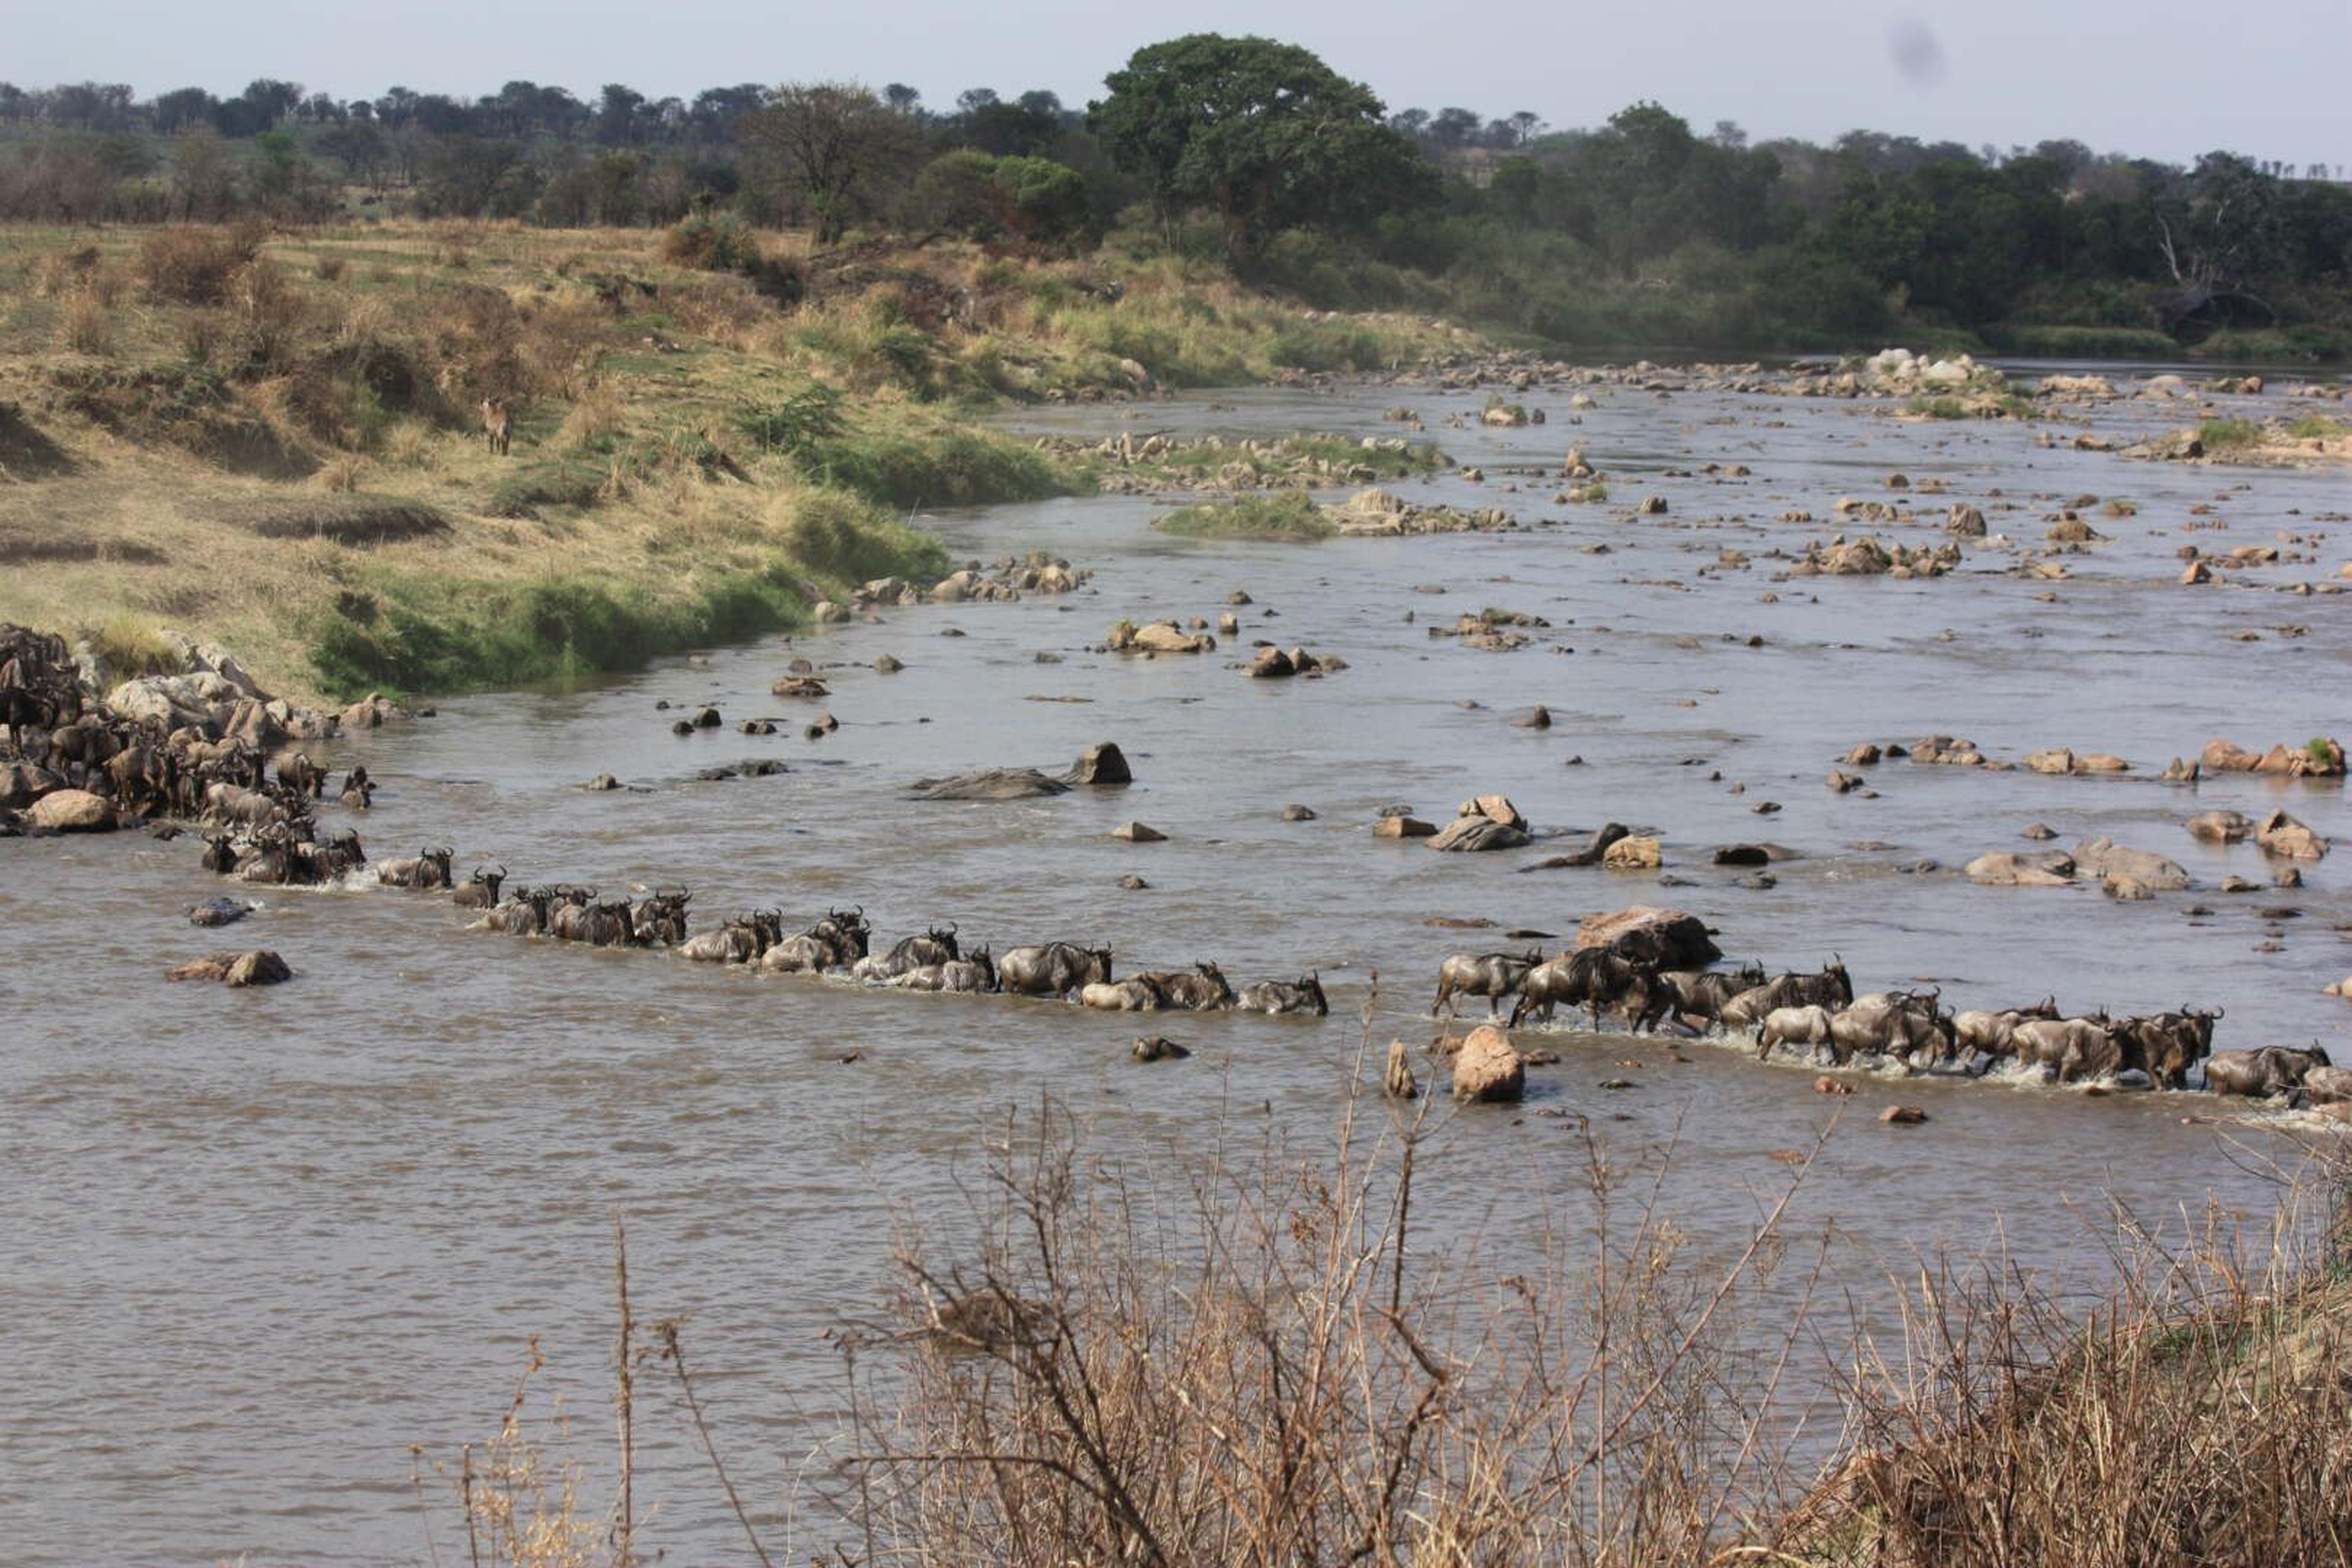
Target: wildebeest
pixel 246 808
pixel 480 892
pixel 658 920
pixel 1493 975
pixel 601 922
pixel 1136 994
pixel 2259 1074
pixel 1684 995
pixel 1303 996
pixel 1829 988
pixel 2327 1085
pixel 976 974
pixel 2074 1048
pixel 740 941
pixel 1990 1032
pixel 298 773
pixel 2169 1044
pixel 837 942
pixel 933 947
pixel 1892 1023
pixel 1204 990
pixel 1055 969
pixel 359 790
pixel 1806 1026
pixel 1597 977
pixel 525 912
pixel 429 871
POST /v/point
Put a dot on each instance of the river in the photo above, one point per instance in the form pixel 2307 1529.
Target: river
pixel 258 1244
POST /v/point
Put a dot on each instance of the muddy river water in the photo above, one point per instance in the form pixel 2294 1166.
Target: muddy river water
pixel 255 1245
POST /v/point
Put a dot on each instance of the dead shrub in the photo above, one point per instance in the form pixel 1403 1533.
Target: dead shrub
pixel 87 326
pixel 64 272
pixel 558 347
pixel 328 267
pixel 594 422
pixel 196 266
pixel 2196 1414
pixel 1278 1367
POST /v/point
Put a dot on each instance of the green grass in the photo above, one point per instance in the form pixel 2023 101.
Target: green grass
pixel 415 632
pixel 939 468
pixel 2220 433
pixel 2032 340
pixel 1388 462
pixel 1289 516
pixel 1938 408
pixel 2316 427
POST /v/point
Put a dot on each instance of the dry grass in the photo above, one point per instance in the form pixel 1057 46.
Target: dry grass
pixel 2197 1413
pixel 86 325
pixel 355 357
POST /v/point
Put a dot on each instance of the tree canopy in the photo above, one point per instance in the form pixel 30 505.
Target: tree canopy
pixel 1263 132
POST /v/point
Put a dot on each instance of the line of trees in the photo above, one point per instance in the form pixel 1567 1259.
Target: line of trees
pixel 1257 152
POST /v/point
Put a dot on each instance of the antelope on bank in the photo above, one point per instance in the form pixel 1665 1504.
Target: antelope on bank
pixel 497 421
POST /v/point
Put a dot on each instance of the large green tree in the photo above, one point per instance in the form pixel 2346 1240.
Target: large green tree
pixel 1265 134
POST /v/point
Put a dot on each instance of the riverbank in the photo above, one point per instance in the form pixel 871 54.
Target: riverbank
pixel 278 443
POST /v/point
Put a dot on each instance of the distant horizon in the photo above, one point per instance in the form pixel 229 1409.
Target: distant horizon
pixel 2160 82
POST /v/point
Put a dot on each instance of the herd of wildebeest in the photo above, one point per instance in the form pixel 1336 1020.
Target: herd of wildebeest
pixel 257 819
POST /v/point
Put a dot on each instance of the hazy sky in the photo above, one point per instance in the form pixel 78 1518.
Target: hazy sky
pixel 2156 78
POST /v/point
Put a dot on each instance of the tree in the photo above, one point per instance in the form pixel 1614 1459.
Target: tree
pixel 902 99
pixel 1263 132
pixel 617 115
pixel 181 108
pixel 835 147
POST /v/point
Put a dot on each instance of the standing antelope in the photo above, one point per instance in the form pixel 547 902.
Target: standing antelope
pixel 498 419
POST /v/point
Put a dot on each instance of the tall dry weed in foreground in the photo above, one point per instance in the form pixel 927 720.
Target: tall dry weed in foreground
pixel 519 1495
pixel 2200 1413
pixel 86 325
pixel 1280 1362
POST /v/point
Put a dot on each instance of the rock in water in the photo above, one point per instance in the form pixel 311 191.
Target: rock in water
pixel 1102 763
pixel 1670 939
pixel 991 783
pixel 1488 1068
pixel 72 811
pixel 1466 834
pixel 1397 1082
pixel 1136 833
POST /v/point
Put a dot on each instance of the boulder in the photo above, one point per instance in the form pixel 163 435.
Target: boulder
pixel 1965 522
pixel 1158 636
pixel 1296 813
pixel 1404 827
pixel 1102 763
pixel 1156 1048
pixel 1397 1082
pixel 2050 868
pixel 2219 826
pixel 1272 664
pixel 825 613
pixel 1477 833
pixel 1536 718
pixel 991 783
pixel 1136 833
pixel 1903 1115
pixel 71 811
pixel 1494 808
pixel 261 968
pixel 2058 760
pixel 2279 834
pixel 807 686
pixel 2104 859
pixel 1634 853
pixel 21 784
pixel 1487 1070
pixel 1671 939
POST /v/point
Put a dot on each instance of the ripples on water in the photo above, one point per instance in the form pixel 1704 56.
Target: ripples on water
pixel 260 1243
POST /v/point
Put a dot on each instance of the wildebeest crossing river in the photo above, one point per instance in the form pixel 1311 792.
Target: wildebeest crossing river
pixel 260 1243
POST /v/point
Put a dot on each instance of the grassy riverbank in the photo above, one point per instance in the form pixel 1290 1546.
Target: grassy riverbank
pixel 275 442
